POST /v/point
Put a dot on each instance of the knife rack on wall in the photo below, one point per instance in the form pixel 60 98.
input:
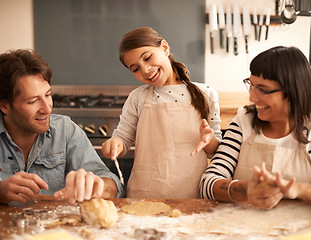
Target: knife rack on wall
pixel 274 19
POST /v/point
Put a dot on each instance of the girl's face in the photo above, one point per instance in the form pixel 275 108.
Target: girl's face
pixel 272 107
pixel 151 65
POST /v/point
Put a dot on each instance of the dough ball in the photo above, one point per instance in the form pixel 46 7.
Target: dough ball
pixel 99 213
pixel 174 213
pixel 264 185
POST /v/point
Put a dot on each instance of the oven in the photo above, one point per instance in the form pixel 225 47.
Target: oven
pixel 96 109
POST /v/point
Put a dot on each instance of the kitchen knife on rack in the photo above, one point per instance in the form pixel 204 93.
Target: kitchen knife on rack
pixel 228 26
pixel 236 27
pixel 246 26
pixel 255 22
pixel 267 23
pixel 213 27
pixel 260 25
pixel 221 24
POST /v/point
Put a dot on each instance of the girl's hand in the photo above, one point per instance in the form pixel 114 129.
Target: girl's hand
pixel 112 148
pixel 206 136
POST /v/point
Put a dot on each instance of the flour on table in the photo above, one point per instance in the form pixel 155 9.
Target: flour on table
pixel 226 221
pixel 274 222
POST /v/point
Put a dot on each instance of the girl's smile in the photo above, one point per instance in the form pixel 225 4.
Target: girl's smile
pixel 154 76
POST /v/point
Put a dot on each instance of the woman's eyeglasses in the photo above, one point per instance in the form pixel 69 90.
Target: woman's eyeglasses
pixel 260 92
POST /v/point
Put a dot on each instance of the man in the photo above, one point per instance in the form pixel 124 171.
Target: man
pixel 43 153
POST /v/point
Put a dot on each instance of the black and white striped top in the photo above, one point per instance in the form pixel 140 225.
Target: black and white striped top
pixel 224 162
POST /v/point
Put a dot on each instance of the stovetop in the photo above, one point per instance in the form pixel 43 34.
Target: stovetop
pixel 88 101
pixel 96 109
pixel 90 96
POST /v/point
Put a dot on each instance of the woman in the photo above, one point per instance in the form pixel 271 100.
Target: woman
pixel 163 118
pixel 266 149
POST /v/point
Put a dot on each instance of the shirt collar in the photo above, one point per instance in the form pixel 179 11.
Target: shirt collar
pixel 2 127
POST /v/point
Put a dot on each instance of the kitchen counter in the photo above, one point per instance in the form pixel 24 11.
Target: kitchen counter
pixel 229 103
pixel 200 219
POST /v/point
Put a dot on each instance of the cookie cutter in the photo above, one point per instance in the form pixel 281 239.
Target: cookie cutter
pixel 28 217
pixel 149 234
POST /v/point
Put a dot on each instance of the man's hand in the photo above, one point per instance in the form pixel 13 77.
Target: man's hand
pixel 21 187
pixel 82 185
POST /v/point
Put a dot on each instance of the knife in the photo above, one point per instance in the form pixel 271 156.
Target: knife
pixel 212 24
pixel 260 25
pixel 228 25
pixel 267 23
pixel 221 24
pixel 236 27
pixel 255 22
pixel 246 26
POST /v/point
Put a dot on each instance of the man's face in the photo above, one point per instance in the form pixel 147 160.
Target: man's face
pixel 30 111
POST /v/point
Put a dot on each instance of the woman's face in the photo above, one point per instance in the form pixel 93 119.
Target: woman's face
pixel 151 65
pixel 273 107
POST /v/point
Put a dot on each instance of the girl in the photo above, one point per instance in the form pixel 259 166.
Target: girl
pixel 163 117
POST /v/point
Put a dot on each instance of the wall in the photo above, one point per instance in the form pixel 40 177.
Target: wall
pixel 80 39
pixel 225 71
pixel 16 24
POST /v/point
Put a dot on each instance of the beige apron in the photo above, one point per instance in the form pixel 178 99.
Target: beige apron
pixel 163 168
pixel 289 162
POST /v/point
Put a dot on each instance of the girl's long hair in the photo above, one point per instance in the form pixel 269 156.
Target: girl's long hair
pixel 145 36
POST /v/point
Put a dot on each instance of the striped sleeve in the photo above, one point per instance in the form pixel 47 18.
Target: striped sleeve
pixel 224 162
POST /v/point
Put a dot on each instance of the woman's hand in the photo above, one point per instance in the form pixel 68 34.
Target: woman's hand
pixel 207 135
pixel 287 187
pixel 262 190
pixel 113 148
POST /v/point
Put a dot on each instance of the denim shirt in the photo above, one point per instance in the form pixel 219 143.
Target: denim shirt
pixel 63 148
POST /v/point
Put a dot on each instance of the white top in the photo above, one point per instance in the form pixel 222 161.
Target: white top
pixel 244 121
pixel 134 104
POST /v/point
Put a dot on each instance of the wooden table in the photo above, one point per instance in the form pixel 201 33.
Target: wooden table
pixel 199 218
pixel 48 203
